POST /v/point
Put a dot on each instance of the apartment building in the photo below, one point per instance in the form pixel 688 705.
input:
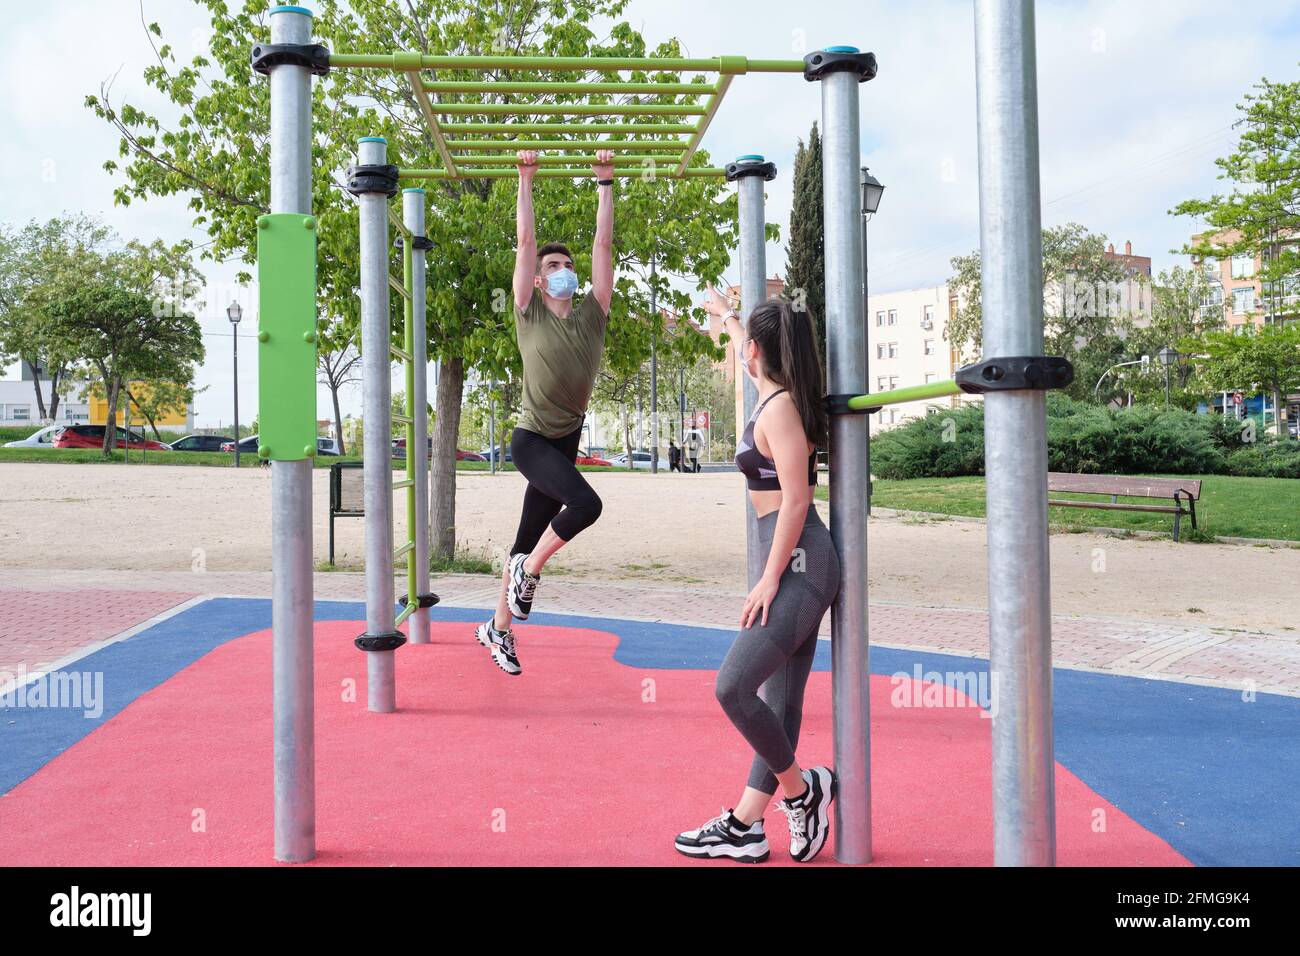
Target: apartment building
pixel 906 346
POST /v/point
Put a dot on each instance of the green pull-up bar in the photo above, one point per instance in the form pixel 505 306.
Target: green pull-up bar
pixel 912 393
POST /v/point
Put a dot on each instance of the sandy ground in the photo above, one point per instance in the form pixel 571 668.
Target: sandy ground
pixel 666 529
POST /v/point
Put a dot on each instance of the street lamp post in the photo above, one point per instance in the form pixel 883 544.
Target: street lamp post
pixel 1168 357
pixel 235 313
pixel 871 193
pixel 1096 390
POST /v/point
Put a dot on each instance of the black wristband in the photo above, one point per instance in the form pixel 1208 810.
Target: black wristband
pixel 604 182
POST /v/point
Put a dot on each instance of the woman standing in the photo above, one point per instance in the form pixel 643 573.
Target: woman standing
pixel 782 615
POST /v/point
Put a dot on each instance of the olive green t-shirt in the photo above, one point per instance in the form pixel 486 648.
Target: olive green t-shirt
pixel 561 358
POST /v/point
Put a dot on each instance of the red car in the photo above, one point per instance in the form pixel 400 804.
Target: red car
pixel 593 460
pixel 92 436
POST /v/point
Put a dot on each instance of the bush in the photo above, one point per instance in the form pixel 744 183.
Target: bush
pixel 1269 457
pixel 944 444
pixel 1087 438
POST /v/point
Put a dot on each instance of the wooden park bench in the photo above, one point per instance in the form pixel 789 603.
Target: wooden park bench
pixel 1184 493
pixel 347 494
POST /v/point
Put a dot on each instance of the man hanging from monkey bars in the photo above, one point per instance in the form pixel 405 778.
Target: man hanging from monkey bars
pixel 561 342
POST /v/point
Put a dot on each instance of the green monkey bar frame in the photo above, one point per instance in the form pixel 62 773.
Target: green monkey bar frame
pixel 651 139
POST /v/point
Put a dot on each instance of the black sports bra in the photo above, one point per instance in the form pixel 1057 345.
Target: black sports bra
pixel 760 471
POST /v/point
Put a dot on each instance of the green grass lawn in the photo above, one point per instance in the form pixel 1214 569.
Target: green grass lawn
pixel 1229 506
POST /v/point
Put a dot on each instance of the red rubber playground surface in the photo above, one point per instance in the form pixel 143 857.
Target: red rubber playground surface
pixel 609 744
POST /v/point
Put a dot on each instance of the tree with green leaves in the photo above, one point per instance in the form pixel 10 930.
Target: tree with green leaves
pixel 1260 215
pixel 1264 358
pixel 1082 313
pixel 34 261
pixel 123 313
pixel 216 154
pixel 805 279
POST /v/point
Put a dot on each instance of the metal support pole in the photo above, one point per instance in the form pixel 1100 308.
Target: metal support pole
pixel 234 338
pixel 1015 437
pixel 847 371
pixel 654 371
pixel 292 661
pixel 377 460
pixel 753 292
pixel 413 219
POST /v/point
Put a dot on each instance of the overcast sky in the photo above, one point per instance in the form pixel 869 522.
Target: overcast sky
pixel 1136 100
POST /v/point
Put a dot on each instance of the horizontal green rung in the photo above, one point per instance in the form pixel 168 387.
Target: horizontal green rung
pixel 565 159
pixel 404 613
pixel 596 86
pixel 404 483
pixel 638 145
pixel 568 109
pixel 911 393
pixel 400 353
pixel 451 129
pixel 401 289
pixel 398 552
pixel 406 62
pixel 402 419
pixel 575 172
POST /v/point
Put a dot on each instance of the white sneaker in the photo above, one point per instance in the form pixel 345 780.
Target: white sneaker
pixel 501 644
pixel 725 836
pixel 520 588
pixel 809 814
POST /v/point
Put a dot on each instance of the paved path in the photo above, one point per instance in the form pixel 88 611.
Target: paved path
pixel 46 616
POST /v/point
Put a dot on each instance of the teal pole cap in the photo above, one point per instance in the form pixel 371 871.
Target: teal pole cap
pixel 749 158
pixel 372 139
pixel 842 49
pixel 288 9
pixel 413 189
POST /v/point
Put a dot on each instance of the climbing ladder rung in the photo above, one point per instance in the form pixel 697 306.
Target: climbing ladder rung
pixel 403 483
pixel 409 546
pixel 404 419
pixel 401 289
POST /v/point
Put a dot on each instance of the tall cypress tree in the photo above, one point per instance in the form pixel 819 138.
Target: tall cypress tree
pixel 805 280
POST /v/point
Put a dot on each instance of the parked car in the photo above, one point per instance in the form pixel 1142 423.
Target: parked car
pixel 38 439
pixel 503 454
pixel 399 448
pixel 92 436
pixel 640 459
pixel 247 446
pixel 468 456
pixel 592 460
pixel 200 443
pixel 326 446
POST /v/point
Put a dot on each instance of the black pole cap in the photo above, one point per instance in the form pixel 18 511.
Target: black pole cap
pixel 751 165
pixel 311 55
pixel 381 642
pixel 837 59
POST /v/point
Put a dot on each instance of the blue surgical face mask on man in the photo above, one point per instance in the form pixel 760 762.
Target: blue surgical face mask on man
pixel 562 283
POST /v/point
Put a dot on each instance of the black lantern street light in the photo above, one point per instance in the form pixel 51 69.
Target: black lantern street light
pixel 1168 357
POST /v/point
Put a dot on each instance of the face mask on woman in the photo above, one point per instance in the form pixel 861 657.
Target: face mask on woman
pixel 562 283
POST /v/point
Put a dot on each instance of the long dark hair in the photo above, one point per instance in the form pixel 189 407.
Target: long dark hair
pixel 785 337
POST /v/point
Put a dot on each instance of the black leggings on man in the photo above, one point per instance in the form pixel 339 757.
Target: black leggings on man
pixel 554 483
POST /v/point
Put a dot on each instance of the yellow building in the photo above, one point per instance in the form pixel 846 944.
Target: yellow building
pixel 172 419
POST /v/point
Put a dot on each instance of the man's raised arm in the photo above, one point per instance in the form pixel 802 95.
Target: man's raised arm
pixel 602 250
pixel 526 248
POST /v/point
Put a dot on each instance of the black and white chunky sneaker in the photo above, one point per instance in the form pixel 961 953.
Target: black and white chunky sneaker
pixel 725 836
pixel 809 814
pixel 501 644
pixel 521 588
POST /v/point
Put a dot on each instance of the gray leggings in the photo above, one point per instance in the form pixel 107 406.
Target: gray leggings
pixel 778 656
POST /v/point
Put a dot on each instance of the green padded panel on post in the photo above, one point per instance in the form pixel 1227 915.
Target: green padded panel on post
pixel 286 333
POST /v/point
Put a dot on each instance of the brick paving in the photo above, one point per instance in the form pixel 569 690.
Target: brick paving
pixel 46 615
